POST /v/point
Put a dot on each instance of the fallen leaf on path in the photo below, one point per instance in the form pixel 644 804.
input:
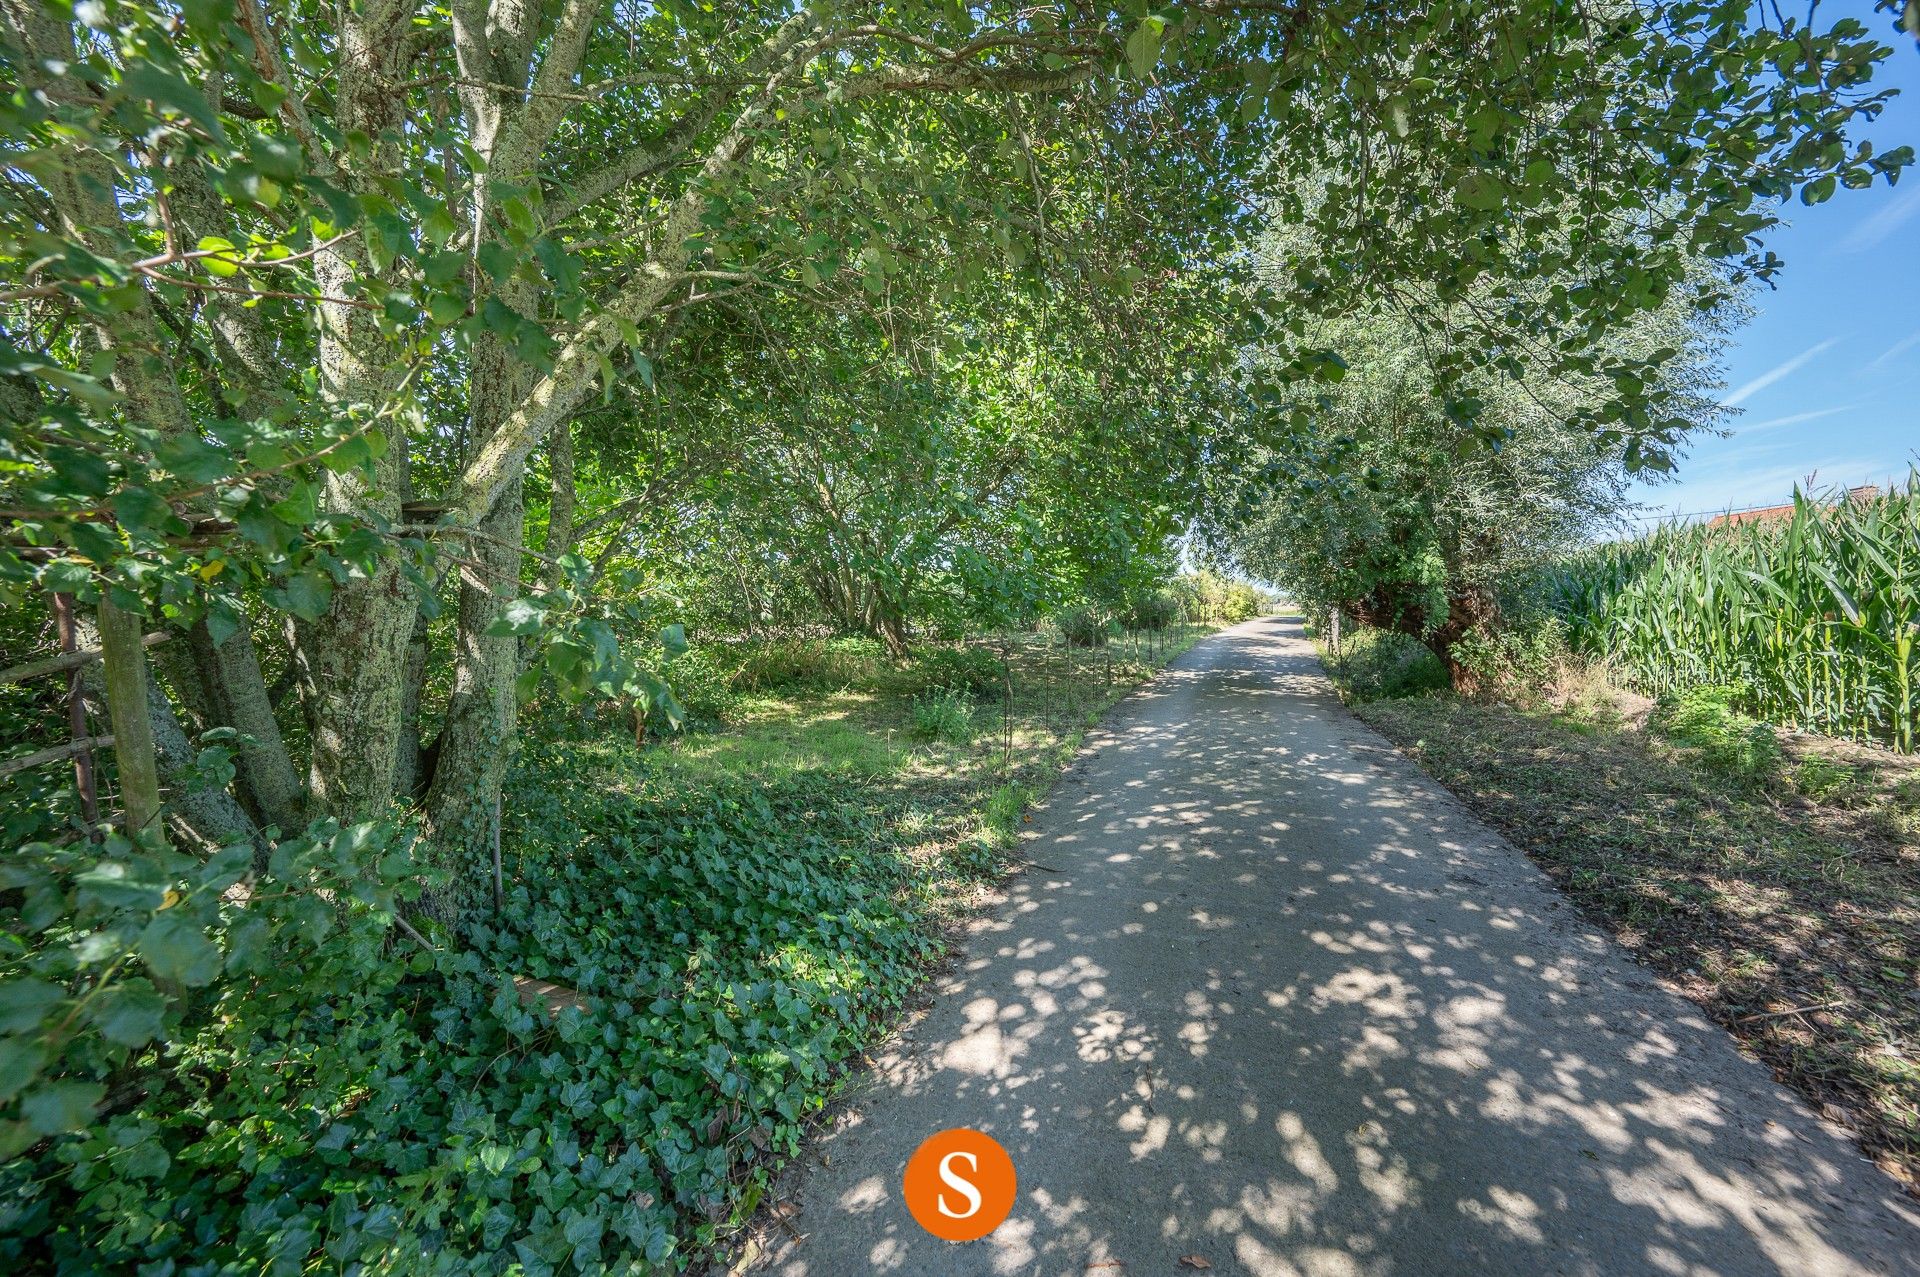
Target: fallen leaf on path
pixel 1195 1261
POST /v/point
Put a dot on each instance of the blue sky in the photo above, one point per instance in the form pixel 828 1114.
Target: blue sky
pixel 1828 373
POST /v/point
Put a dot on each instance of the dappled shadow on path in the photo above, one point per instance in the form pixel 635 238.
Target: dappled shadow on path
pixel 1266 997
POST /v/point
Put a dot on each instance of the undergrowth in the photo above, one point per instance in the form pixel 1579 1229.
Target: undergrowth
pixel 1373 664
pixel 1728 741
pixel 719 921
pixel 946 714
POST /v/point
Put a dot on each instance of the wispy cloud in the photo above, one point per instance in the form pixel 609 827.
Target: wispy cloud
pixel 1894 351
pixel 1778 371
pixel 1775 423
pixel 1899 210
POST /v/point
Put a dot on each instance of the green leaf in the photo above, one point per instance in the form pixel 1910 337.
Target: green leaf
pixel 131 1013
pixel 301 505
pixel 306 594
pixel 1143 46
pixel 25 1002
pixel 528 682
pixel 218 266
pixel 1818 191
pixel 20 1063
pixel 520 617
pixel 146 1160
pixel 141 511
pixel 446 308
pixel 135 883
pixel 59 1107
pixel 178 950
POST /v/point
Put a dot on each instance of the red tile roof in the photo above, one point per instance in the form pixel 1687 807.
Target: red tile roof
pixel 1779 513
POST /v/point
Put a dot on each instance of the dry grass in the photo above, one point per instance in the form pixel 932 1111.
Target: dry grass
pixel 1788 909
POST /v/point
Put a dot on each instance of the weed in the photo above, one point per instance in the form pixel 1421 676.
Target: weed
pixel 811 665
pixel 945 714
pixel 1004 809
pixel 975 670
pixel 1521 662
pixel 1826 781
pixel 1705 719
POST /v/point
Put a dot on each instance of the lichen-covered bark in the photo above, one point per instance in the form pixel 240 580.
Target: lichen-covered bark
pixel 354 652
pixel 471 754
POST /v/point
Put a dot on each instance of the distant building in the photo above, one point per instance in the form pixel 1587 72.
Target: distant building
pixel 1781 513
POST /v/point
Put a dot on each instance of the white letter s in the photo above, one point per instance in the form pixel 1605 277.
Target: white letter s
pixel 953 1181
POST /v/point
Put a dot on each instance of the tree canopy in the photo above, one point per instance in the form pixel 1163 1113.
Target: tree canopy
pixel 367 368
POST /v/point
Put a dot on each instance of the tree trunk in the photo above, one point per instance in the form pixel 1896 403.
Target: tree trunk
pixel 234 694
pixel 409 768
pixel 1470 609
pixel 354 652
pixel 1464 680
pixel 1402 609
pixel 471 753
pixel 561 499
pixel 124 666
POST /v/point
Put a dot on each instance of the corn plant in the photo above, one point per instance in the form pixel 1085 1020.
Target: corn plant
pixel 1816 617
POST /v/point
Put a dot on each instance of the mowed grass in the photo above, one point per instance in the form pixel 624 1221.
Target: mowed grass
pixel 1788 907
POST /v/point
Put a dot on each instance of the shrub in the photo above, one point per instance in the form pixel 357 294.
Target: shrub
pixel 976 670
pixel 1155 611
pixel 703 681
pixel 1242 603
pixel 1082 626
pixel 946 714
pixel 811 664
pixel 1375 665
pixel 1520 662
pixel 1704 718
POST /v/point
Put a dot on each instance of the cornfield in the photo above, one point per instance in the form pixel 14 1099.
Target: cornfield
pixel 1815 618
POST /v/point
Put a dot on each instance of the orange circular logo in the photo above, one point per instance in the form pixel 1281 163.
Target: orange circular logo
pixel 959 1184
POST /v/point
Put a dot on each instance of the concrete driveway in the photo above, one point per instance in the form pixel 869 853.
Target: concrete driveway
pixel 1269 1001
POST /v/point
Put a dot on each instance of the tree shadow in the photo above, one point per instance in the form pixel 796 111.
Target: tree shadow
pixel 1272 999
